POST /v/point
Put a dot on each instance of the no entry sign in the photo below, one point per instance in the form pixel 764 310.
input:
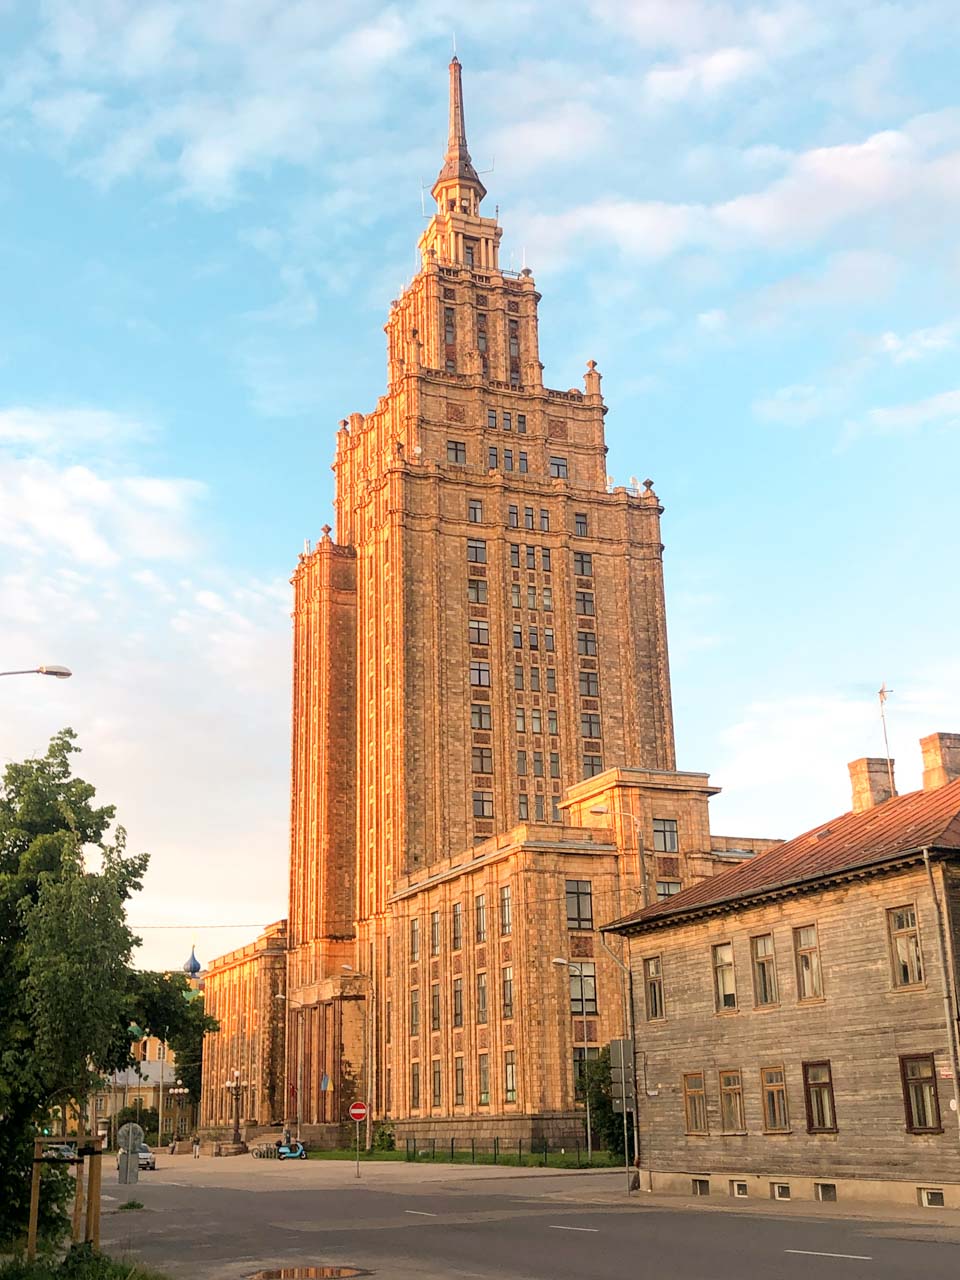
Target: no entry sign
pixel 358 1111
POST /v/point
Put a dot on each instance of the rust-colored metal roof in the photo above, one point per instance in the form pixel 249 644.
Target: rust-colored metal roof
pixel 853 840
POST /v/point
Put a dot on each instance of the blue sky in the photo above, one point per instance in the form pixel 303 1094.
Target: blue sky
pixel 746 213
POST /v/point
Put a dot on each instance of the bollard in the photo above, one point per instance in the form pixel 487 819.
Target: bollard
pixel 519 1151
pixel 496 1150
pixel 473 1151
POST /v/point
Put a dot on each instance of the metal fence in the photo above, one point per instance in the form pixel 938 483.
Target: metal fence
pixel 569 1154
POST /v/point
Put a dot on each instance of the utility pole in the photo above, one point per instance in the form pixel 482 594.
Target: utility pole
pixel 883 694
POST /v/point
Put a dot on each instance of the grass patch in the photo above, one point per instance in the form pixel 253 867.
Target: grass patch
pixel 352 1155
pixel 80 1263
pixel 129 1205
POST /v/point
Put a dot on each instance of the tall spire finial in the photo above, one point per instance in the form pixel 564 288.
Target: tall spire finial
pixel 457 165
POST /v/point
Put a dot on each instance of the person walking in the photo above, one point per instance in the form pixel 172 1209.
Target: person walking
pixel 196 1146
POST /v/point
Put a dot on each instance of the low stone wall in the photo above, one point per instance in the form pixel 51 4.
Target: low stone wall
pixel 555 1130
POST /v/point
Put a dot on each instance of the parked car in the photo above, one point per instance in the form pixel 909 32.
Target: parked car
pixel 62 1151
pixel 145 1157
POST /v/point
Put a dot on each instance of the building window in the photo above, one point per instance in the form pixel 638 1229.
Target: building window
pixel 764 970
pixel 521 424
pixel 544 521
pixel 492 418
pixel 480 674
pixel 580 524
pixel 592 765
pixel 589 684
pixel 507 992
pixel 513 516
pixel 531 598
pixel 492 460
pixel 478 631
pixel 469 247
pixel 548 599
pixel 653 987
pixel 510 1076
pixel 528 517
pixel 514 556
pixel 434 933
pixel 437 1079
pixel 388 1021
pixel 523 808
pixel 518 678
pixel 477 590
pixel 476 551
pixel 724 979
pixel 534 638
pixel 549 643
pixel 731 1102
pixel 435 1007
pixel 665 835
pixel 776 1117
pixel 456 451
pixel 905 946
pixel 414 1086
pixel 587 644
pixel 480 917
pixel 521 764
pixel 458 1002
pixel 818 1096
pixel 807 949
pixel 449 332
pixel 583 564
pixel 508 459
pixel 506 910
pixel 579 904
pixel 582 1054
pixel 667 888
pixel 514 337
pixel 521 720
pixel 481 997
pixel 695 1102
pixel 590 725
pixel 414 940
pixel 508 422
pixel 482 760
pixel 475 511
pixel 483 1080
pixel 415 1012
pixel 481 331
pixel 458 1092
pixel 456 930
pixel 539 809
pixel 450 365
pixel 538 764
pixel 523 464
pixel 554 762
pixel 483 804
pixel 558 468
pixel 920 1099
pixel 531 553
pixel 584 603
pixel 515 595
pixel 551 671
pixel 480 716
pixel 583 988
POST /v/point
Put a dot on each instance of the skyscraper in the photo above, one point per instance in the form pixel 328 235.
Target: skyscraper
pixel 480 664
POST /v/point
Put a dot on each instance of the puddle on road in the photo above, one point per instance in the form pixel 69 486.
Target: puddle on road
pixel 308 1273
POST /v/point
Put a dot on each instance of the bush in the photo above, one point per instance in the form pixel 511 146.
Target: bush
pixel 82 1262
pixel 385 1138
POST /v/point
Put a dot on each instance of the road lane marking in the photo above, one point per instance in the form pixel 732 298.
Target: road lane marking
pixel 553 1227
pixel 420 1213
pixel 815 1253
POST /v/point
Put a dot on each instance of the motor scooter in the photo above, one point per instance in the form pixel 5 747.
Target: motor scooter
pixel 291 1151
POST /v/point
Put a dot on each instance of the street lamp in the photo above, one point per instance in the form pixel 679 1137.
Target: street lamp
pixel 60 673
pixel 179 1091
pixel 575 968
pixel 235 1086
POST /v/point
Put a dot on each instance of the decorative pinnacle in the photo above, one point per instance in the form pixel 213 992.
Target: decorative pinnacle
pixel 457 165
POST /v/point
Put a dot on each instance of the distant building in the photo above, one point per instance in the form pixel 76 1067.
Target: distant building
pixel 796 1017
pixel 244 990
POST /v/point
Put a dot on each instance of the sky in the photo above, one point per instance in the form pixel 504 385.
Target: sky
pixel 744 212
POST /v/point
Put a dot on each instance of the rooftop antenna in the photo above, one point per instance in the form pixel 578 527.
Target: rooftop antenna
pixel 454 38
pixel 883 694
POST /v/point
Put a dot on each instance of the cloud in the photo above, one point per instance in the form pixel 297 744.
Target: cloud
pixel 62 430
pixel 941 411
pixel 793 406
pixel 703 75
pixel 852 277
pixel 921 343
pixel 714 321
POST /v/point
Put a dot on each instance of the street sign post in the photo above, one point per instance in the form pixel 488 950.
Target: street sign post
pixel 358 1113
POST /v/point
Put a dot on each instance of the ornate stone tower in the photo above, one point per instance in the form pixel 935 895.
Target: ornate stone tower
pixel 487 630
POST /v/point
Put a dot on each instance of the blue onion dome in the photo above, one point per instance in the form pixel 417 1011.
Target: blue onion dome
pixel 192 966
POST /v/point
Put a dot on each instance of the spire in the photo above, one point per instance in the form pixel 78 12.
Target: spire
pixel 457 166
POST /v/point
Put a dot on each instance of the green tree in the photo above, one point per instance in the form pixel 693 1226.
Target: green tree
pixel 65 952
pixel 606 1123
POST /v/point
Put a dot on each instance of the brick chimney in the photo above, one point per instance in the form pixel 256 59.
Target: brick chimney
pixel 941 759
pixel 870 782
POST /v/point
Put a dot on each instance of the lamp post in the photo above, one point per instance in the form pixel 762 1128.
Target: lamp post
pixel 59 673
pixel 603 810
pixel 179 1091
pixel 234 1086
pixel 577 969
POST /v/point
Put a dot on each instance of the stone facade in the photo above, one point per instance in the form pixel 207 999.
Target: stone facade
pixel 781 1025
pixel 241 991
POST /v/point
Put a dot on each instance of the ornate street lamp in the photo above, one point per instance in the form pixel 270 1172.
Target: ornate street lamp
pixel 60 673
pixel 235 1086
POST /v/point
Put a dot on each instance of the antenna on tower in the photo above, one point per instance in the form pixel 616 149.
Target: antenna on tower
pixel 453 35
pixel 423 208
pixel 883 694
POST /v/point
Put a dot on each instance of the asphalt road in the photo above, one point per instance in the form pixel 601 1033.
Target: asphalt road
pixel 402 1221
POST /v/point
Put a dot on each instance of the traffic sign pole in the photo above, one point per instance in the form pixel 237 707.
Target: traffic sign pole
pixel 358 1113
